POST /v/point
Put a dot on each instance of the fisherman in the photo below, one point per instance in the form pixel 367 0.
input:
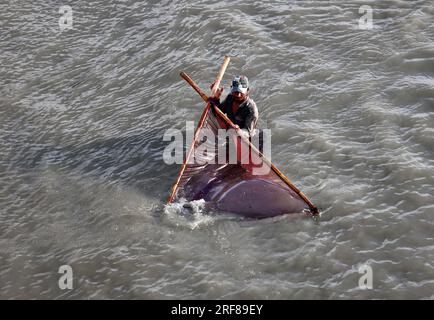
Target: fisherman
pixel 238 106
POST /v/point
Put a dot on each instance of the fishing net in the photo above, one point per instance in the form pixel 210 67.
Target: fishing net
pixel 227 171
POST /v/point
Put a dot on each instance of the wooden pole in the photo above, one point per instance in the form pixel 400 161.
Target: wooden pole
pixel 190 81
pixel 312 207
pixel 216 85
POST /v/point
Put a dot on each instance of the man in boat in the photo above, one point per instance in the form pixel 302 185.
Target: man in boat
pixel 238 106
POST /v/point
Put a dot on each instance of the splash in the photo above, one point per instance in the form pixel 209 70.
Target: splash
pixel 190 214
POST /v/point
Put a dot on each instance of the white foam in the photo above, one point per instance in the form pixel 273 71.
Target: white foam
pixel 189 214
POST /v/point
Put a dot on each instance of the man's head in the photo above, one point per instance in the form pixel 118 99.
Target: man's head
pixel 240 88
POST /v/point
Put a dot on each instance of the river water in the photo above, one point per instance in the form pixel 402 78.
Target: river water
pixel 83 182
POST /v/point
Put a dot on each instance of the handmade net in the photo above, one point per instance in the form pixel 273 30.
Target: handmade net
pixel 230 174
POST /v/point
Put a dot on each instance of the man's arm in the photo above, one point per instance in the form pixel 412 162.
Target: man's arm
pixel 215 102
pixel 252 119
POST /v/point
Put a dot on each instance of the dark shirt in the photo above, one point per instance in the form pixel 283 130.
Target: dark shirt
pixel 245 116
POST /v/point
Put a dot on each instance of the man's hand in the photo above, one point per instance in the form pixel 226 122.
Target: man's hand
pixel 218 91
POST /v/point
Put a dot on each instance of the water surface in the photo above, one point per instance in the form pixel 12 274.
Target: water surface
pixel 83 112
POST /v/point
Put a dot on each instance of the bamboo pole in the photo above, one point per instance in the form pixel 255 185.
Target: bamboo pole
pixel 200 124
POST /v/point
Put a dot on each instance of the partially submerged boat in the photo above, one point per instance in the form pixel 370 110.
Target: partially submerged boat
pixel 234 187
